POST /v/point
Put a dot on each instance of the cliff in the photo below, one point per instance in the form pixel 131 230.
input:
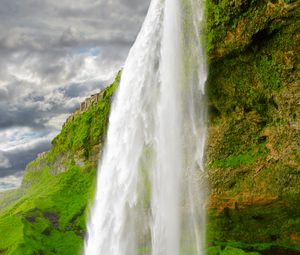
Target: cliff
pixel 253 147
pixel 47 215
pixel 252 151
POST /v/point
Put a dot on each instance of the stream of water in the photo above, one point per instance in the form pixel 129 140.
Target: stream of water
pixel 151 185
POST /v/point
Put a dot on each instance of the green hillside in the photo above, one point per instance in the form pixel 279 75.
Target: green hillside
pixel 252 152
pixel 47 215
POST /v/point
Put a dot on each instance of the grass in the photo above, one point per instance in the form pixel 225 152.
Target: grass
pixel 48 214
pixel 253 62
pixel 50 218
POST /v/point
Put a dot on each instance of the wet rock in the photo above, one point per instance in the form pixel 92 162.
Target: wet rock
pixel 31 219
pixel 53 219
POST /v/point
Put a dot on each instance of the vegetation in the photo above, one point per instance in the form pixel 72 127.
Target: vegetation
pixel 253 149
pixel 48 214
pixel 252 153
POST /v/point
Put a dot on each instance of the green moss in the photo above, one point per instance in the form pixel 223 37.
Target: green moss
pixel 86 130
pixel 234 24
pixel 214 250
pixel 48 214
pixel 236 251
pixel 7 240
pixel 247 158
pixel 51 216
pixel 217 250
pixel 253 73
pixel 252 47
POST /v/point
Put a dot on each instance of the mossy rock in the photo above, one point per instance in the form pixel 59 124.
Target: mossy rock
pixel 48 214
pixel 236 251
pixel 254 140
pixel 214 250
pixel 217 250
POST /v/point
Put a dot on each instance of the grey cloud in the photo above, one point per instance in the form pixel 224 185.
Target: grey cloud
pixel 37 108
pixel 33 22
pixel 19 158
pixel 11 181
pixel 19 117
pixel 45 67
pixel 4 161
pixel 69 38
pixel 79 89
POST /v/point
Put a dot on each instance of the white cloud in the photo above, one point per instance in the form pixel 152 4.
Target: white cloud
pixel 23 138
pixel 4 161
pixel 95 68
pixel 53 54
pixel 11 181
pixel 57 121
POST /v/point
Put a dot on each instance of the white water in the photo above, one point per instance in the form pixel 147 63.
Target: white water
pixel 151 180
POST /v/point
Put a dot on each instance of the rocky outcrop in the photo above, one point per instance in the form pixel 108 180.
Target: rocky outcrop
pixel 86 105
pixel 252 152
pixel 254 141
pixel 47 215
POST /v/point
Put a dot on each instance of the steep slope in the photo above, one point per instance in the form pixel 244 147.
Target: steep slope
pixel 252 152
pixel 47 214
pixel 253 149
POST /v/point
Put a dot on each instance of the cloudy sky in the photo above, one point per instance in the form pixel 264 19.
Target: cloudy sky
pixel 54 53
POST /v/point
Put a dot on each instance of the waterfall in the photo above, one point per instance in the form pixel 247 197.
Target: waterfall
pixel 151 184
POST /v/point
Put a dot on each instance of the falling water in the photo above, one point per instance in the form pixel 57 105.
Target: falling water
pixel 151 180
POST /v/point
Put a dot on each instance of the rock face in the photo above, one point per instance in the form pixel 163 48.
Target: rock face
pixel 78 155
pixel 252 152
pixel 253 148
pixel 47 215
pixel 81 139
pixel 86 105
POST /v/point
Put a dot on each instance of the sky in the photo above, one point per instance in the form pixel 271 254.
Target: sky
pixel 53 54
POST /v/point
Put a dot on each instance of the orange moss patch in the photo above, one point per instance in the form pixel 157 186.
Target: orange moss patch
pixel 242 200
pixel 218 52
pixel 230 37
pixel 295 238
pixel 289 59
pixel 273 154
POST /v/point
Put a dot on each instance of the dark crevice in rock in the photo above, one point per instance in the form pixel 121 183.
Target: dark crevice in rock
pixel 258 217
pixel 53 219
pixel 279 251
pixel 263 36
pixel 46 232
pixel 30 219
